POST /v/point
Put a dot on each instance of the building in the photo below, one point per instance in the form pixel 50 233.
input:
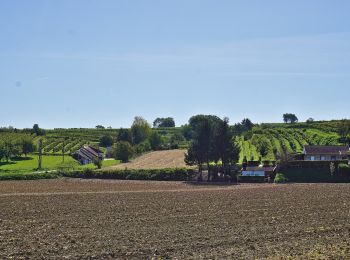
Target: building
pixel 264 171
pixel 87 154
pixel 325 153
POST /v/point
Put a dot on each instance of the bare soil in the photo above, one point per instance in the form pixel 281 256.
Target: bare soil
pixel 156 160
pixel 101 219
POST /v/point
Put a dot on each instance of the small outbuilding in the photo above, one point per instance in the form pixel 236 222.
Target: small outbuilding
pixel 87 154
pixel 261 171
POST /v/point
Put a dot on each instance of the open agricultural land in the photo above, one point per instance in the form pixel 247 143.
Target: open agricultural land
pixel 95 219
pixel 155 160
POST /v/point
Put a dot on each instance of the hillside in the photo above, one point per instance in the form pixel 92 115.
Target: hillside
pixel 276 136
pixel 289 137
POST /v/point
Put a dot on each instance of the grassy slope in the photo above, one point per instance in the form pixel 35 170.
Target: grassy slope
pixel 49 162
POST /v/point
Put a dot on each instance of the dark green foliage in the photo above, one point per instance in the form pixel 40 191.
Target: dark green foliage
pixel 344 131
pixel 98 163
pixel 27 146
pixel 99 127
pixel 212 141
pixel 187 132
pixel 164 122
pixel 106 141
pixel 123 151
pixel 155 140
pixel 344 169
pixel 180 174
pixel 140 130
pixel 142 147
pixel 280 178
pixel 314 174
pixel 290 118
pixel 37 130
pixel 310 120
pixel 28 176
pixel 124 135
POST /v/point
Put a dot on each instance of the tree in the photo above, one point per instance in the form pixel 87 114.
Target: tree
pixel 155 140
pixel 27 146
pixel 224 146
pixel 123 151
pixel 284 158
pixel 37 130
pixel 198 151
pixel 98 163
pixel 187 132
pixel 2 150
pixel 124 135
pixel 99 127
pixel 290 118
pixel 344 130
pixel 11 148
pixel 175 140
pixel 247 124
pixel 310 120
pixel 140 130
pixel 106 141
pixel 164 122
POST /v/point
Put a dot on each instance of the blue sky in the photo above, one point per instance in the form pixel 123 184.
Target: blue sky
pixel 82 63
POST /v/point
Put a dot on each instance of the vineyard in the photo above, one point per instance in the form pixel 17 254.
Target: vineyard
pixel 291 138
pixel 276 137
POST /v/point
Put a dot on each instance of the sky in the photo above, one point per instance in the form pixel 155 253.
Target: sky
pixel 82 63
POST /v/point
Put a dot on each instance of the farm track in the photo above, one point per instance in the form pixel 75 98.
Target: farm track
pixel 104 219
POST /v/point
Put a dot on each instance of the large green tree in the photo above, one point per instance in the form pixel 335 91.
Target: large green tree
pixel 290 118
pixel 106 141
pixel 164 122
pixel 155 140
pixel 124 135
pixel 140 130
pixel 27 145
pixel 123 151
pixel 344 130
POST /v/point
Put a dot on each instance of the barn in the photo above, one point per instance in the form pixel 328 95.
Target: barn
pixel 87 154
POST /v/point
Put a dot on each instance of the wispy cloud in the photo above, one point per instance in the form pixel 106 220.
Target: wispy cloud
pixel 314 55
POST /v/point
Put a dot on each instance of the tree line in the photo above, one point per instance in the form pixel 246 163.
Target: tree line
pixel 212 141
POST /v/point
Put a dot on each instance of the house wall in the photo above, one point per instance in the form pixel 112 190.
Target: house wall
pixel 317 157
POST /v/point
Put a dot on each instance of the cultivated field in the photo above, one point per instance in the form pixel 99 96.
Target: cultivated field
pixel 95 219
pixel 156 160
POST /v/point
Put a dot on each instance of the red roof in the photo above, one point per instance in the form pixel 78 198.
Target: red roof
pixel 326 149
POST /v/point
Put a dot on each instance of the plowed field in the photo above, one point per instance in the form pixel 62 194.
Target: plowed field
pixel 85 219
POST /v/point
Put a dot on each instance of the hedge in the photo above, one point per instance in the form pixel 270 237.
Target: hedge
pixel 173 174
pixel 28 176
pixel 313 175
pixel 314 164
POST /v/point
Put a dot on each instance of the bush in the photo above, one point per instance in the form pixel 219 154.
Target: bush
pixel 143 147
pixel 98 163
pixel 123 151
pixel 314 175
pixel 180 174
pixel 280 178
pixel 344 168
pixel 28 176
pixel 106 141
